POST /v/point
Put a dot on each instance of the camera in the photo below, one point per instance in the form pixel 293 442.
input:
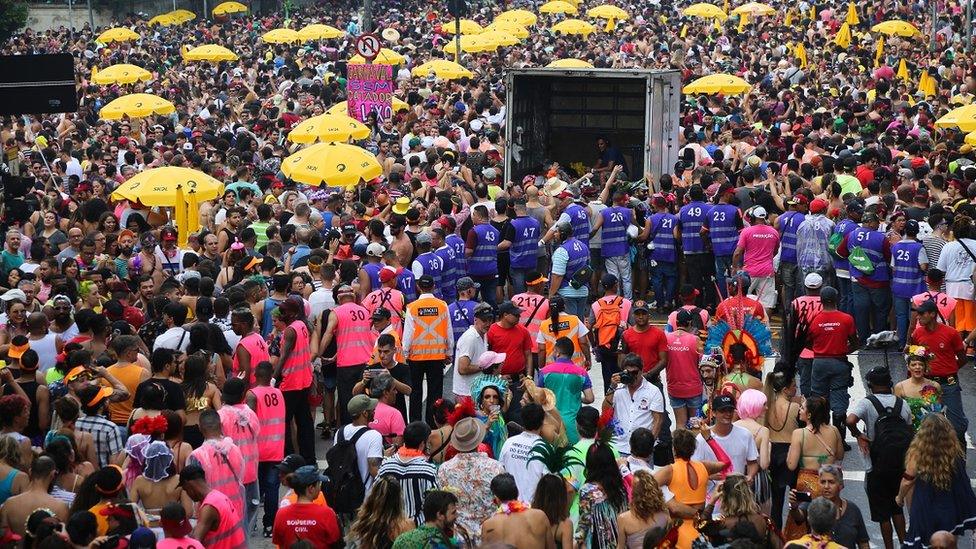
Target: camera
pixel 626 378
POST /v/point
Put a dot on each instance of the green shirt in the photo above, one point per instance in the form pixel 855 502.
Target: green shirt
pixel 11 261
pixel 849 184
pixel 424 537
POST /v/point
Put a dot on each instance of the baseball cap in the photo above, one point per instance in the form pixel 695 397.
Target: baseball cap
pixel 535 277
pixel 818 205
pixel 489 359
pixel 723 402
pixel 759 212
pixel 870 217
pixel 291 463
pixel 640 306
pixel 387 273
pixel 308 475
pixel 608 280
pixel 15 294
pixel 349 228
pixel 879 376
pixel 813 281
pixel 375 249
pixel 359 404
pixel 798 199
pixel 423 238
pixel 927 306
pixel 426 281
pixel 466 283
pixel 381 314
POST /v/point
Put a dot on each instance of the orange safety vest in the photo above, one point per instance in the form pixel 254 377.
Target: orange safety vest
pixel 397 344
pixel 568 327
pixel 354 343
pixel 222 462
pixel 241 424
pixel 271 413
pixel 229 533
pixel 429 315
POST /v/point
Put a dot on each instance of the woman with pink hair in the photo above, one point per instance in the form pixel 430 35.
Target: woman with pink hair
pixel 750 406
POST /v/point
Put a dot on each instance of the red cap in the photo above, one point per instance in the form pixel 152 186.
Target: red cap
pixel 918 162
pixel 818 205
pixel 387 274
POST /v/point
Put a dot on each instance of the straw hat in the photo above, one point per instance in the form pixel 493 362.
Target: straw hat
pixel 554 186
pixel 543 397
pixel 468 433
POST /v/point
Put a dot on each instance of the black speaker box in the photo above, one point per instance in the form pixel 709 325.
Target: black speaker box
pixel 36 84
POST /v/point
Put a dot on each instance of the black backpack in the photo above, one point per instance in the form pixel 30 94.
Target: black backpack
pixel 892 436
pixel 345 491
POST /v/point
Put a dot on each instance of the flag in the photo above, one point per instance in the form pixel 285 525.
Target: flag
pixel 684 30
pixel 789 18
pixel 843 37
pixel 903 71
pixel 813 13
pixel 852 18
pixel 800 52
pixel 879 53
pixel 743 20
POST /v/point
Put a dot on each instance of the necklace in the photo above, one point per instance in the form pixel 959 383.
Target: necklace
pixel 511 507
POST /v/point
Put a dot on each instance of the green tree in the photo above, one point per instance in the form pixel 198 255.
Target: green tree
pixel 13 16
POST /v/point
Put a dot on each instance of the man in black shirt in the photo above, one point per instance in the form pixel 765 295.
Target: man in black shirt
pixel 164 365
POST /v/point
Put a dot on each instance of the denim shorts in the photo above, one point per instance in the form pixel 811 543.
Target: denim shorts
pixel 691 403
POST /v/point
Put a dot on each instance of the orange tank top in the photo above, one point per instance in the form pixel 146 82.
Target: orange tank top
pixel 129 374
pixel 680 484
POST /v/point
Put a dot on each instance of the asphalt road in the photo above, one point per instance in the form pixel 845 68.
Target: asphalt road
pixel 853 464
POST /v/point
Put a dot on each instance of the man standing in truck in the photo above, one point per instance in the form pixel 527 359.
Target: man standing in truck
pixel 607 158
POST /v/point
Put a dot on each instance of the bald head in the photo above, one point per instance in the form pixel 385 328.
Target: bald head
pixel 37 321
pixel 942 540
pixel 532 192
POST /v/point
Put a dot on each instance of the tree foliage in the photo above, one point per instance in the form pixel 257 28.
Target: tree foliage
pixel 13 16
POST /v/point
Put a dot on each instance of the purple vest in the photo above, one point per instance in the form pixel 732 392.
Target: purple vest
pixel 449 276
pixel 432 266
pixel 373 271
pixel 580 221
pixel 692 216
pixel 662 231
pixel 579 257
pixel 457 244
pixel 872 242
pixel 722 228
pixel 788 225
pixel 484 260
pixel 844 226
pixel 615 223
pixel 406 283
pixel 906 279
pixel 526 244
pixel 462 316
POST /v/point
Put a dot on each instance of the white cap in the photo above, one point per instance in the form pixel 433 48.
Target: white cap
pixel 375 249
pixel 813 281
pixel 759 212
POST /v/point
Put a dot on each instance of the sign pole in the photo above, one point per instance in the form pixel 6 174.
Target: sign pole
pixel 457 39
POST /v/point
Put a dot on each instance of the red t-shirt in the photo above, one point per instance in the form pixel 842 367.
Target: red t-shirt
pixel 945 343
pixel 830 331
pixel 309 521
pixel 646 344
pixel 514 342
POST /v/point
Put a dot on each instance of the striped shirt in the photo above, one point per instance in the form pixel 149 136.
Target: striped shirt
pixel 108 441
pixel 416 476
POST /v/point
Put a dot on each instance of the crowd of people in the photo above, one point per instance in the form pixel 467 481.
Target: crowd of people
pixel 440 327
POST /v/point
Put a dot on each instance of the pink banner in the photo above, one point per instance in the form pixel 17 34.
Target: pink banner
pixel 369 88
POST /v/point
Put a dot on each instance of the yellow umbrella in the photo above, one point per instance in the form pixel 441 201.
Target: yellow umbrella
pixel 717 83
pixel 903 71
pixel 332 164
pixel 879 52
pixel 117 34
pixel 506 27
pixel 318 31
pixel 843 37
pixel 789 18
pixel 801 53
pixel 343 108
pixel 754 9
pixel 281 36
pixel 179 217
pixel 896 27
pixel 499 38
pixel 328 128
pixel 443 69
pixel 164 19
pixel 182 16
pixel 210 52
pixel 971 138
pixel 121 74
pixel 524 18
pixel 707 11
pixel 570 63
pixel 472 43
pixel 158 186
pixel 607 11
pixel 852 18
pixel 386 57
pixel 193 209
pixel 467 27
pixel 558 6
pixel 574 26
pixel 228 8
pixel 136 105
pixel 963 117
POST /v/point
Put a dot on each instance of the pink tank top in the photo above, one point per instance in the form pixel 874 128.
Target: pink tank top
pixel 528 303
pixel 943 303
pixel 271 413
pixel 178 543
pixel 229 533
pixel 241 424
pixel 354 340
pixel 807 307
pixel 296 373
pixel 221 461
pixel 386 298
pixel 682 368
pixel 255 346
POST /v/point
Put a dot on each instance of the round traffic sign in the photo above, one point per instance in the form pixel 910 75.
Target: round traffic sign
pixel 368 46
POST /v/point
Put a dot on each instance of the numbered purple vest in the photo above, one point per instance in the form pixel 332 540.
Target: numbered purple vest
pixel 579 257
pixel 615 223
pixel 844 227
pixel 484 260
pixel 406 283
pixel 526 244
pixel 907 279
pixel 722 229
pixel 462 316
pixel 449 275
pixel 692 216
pixel 580 222
pixel 432 266
pixel 872 242
pixel 373 272
pixel 456 243
pixel 662 228
pixel 788 225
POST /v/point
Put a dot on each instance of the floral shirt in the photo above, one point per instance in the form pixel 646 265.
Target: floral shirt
pixel 597 528
pixel 424 537
pixel 469 475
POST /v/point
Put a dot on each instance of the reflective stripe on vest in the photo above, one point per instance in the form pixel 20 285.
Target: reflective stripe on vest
pixel 299 363
pixel 789 222
pixel 229 533
pixel 722 230
pixel 580 222
pixel 579 257
pixel 484 260
pixel 872 242
pixel 257 348
pixel 526 244
pixel 844 227
pixel 222 472
pixel 568 324
pixel 354 345
pixel 449 275
pixel 906 278
pixel 662 229
pixel 692 215
pixel 433 267
pixel 615 223
pixel 244 436
pixel 430 329
pixel 456 243
pixel 271 414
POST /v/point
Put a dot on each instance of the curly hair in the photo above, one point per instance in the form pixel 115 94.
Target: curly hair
pixel 12 406
pixel 935 451
pixel 646 498
pixel 380 515
pixel 737 497
pixel 10 452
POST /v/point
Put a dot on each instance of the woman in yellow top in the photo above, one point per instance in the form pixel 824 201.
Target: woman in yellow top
pixel 200 393
pixel 561 324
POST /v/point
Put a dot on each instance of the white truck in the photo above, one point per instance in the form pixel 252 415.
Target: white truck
pixel 557 114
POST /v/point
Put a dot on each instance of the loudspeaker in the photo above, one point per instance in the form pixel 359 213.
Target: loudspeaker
pixel 36 84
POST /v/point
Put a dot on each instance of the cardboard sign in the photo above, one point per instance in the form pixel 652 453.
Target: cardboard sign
pixel 369 88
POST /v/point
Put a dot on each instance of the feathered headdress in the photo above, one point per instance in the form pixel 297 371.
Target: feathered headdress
pixel 605 426
pixel 555 460
pixel 461 410
pixel 152 426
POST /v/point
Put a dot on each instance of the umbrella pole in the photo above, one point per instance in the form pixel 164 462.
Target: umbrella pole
pixel 457 39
